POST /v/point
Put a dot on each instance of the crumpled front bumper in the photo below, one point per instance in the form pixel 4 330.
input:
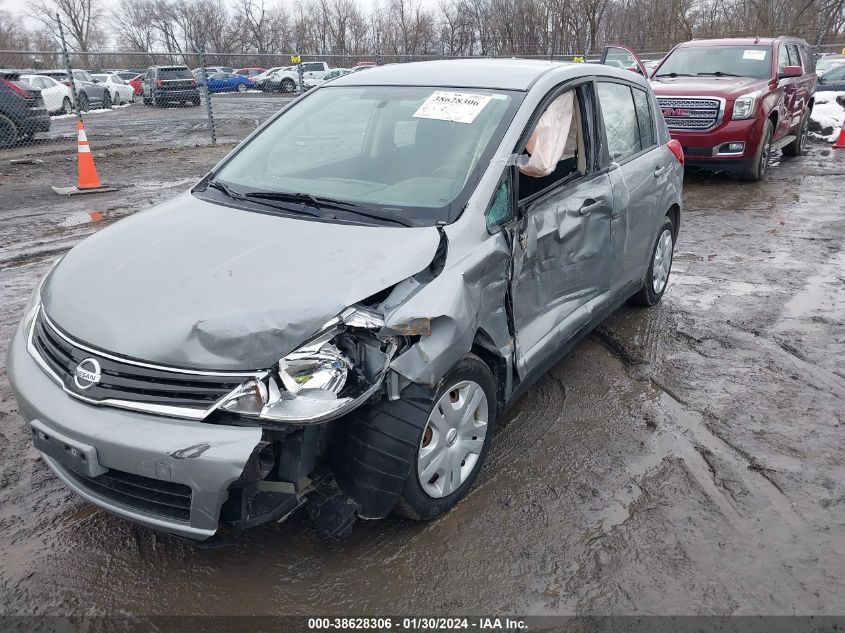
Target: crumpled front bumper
pixel 206 458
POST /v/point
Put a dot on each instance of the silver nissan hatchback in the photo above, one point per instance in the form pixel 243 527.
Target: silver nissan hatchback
pixel 336 315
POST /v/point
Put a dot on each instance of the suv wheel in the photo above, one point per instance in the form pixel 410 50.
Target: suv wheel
pixel 760 162
pixel 452 441
pixel 106 100
pixel 83 102
pixel 796 147
pixel 287 85
pixel 8 132
pixel 67 106
pixel 657 276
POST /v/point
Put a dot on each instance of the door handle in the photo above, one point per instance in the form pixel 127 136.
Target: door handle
pixel 591 204
pixel 660 171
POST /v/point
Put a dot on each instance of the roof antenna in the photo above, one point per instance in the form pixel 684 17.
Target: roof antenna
pixel 756 39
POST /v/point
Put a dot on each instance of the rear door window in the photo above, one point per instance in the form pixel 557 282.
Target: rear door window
pixel 620 120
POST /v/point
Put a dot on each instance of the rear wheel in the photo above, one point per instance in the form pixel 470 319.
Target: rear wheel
pixel 83 102
pixel 241 87
pixel 8 132
pixel 67 106
pixel 760 162
pixel 106 100
pixel 796 147
pixel 657 276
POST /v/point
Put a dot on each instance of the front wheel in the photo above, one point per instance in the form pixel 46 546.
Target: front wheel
pixel 83 102
pixel 241 87
pixel 106 100
pixel 287 86
pixel 760 162
pixel 657 275
pixel 453 442
pixel 67 107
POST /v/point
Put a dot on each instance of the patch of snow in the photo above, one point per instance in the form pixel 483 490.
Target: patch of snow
pixel 828 114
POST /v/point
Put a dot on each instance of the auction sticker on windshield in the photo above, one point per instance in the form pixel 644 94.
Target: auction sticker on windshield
pixel 757 54
pixel 458 107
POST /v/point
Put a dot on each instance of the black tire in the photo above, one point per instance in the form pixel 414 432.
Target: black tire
pixel 106 100
pixel 414 503
pixel 67 106
pixel 195 101
pixel 84 104
pixel 760 162
pixel 8 132
pixel 646 296
pixel 242 88
pixel 287 85
pixel 796 147
pixel 155 102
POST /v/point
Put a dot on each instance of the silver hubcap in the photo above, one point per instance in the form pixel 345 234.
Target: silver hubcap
pixel 662 262
pixel 452 441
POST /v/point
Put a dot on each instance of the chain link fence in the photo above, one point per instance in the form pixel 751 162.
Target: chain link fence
pixel 168 99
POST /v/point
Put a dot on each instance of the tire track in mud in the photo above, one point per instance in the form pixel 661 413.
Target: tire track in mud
pixel 682 432
pixel 524 426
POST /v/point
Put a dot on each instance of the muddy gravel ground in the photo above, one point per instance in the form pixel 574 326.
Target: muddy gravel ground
pixel 686 459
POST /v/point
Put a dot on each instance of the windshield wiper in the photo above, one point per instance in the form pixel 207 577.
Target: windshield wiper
pixel 330 203
pixel 674 75
pixel 250 196
pixel 719 73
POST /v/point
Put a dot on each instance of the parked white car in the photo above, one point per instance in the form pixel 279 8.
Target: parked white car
pixel 58 98
pixel 119 90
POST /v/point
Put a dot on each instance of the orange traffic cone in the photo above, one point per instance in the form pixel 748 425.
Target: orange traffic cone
pixel 839 143
pixel 88 181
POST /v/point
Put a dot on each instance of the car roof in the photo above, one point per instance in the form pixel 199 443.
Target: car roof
pixel 741 41
pixel 504 74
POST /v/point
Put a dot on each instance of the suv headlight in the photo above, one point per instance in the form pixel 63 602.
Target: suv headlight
pixel 331 374
pixel 744 106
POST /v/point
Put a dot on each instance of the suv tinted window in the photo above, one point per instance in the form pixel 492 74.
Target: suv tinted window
pixel 620 120
pixel 644 117
pixel 175 73
pixel 312 67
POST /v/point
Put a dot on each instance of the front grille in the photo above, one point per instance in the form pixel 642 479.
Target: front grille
pixel 150 496
pixel 686 113
pixel 127 383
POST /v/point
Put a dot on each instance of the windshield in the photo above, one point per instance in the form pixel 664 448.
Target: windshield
pixel 410 150
pixel 740 61
pixel 823 65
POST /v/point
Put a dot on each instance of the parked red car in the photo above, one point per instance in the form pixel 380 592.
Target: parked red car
pixel 135 82
pixel 250 72
pixel 732 103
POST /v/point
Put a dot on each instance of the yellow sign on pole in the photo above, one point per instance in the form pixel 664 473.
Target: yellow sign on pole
pixel 295 59
pixel 578 59
pixel 842 52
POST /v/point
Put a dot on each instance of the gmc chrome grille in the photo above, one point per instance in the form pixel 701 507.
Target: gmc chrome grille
pixel 128 383
pixel 687 113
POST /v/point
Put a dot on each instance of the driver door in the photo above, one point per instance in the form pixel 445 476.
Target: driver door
pixel 561 245
pixel 623 57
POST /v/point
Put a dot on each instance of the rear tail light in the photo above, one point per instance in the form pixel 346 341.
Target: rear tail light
pixel 676 148
pixel 194 81
pixel 15 87
pixel 159 83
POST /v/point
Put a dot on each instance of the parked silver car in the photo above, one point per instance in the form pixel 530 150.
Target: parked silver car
pixel 338 313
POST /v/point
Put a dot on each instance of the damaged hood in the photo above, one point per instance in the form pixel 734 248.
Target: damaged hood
pixel 199 285
pixel 729 87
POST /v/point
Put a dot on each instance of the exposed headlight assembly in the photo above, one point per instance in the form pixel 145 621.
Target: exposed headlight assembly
pixel 331 374
pixel 744 106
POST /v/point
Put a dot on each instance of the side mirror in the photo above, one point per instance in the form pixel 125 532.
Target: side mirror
pixel 791 71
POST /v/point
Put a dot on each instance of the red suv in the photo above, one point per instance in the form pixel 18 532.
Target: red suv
pixel 733 102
